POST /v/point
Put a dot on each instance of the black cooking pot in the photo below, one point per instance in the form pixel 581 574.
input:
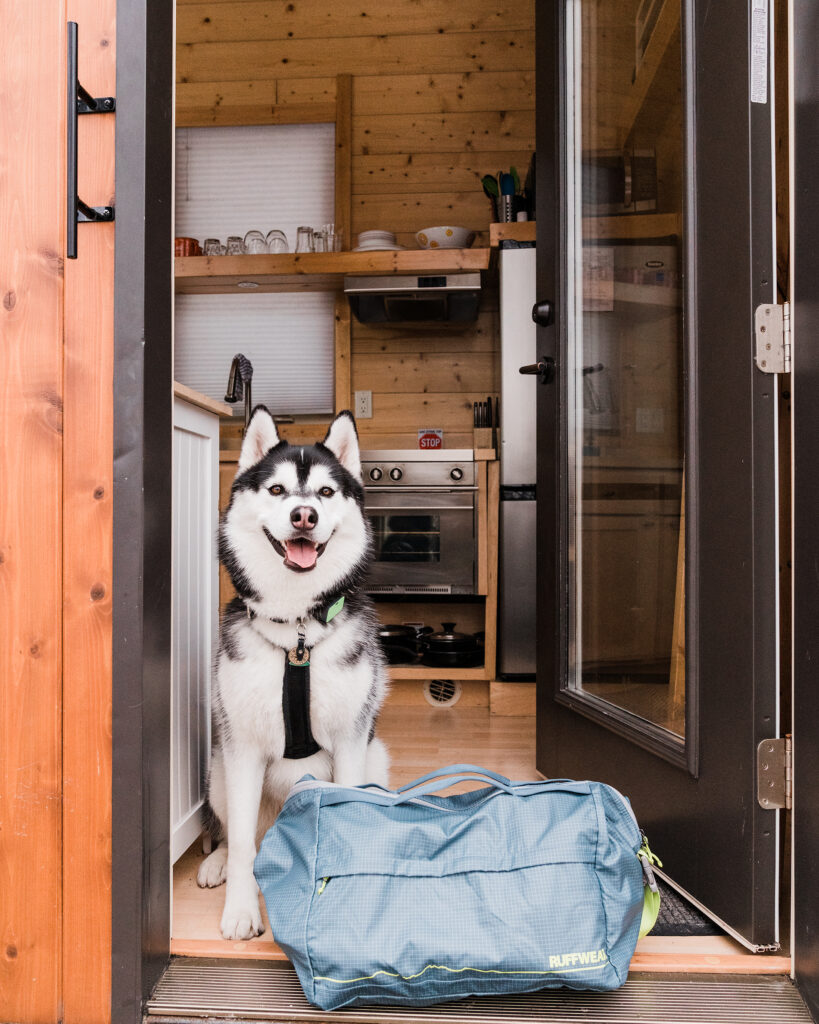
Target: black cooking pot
pixel 449 649
pixel 400 644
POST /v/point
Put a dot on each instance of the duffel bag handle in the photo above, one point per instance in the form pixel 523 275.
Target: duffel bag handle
pixel 456 769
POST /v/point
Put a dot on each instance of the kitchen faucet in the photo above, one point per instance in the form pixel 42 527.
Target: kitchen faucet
pixel 241 374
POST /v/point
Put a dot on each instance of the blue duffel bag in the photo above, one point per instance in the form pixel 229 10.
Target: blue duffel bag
pixel 408 898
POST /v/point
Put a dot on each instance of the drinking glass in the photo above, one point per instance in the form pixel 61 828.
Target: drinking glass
pixel 276 241
pixel 212 246
pixel 319 241
pixel 235 246
pixel 304 240
pixel 255 243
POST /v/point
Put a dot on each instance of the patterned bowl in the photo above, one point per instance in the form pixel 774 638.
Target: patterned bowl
pixel 445 238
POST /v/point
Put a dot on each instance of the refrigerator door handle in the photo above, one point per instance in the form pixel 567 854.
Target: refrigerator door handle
pixel 545 369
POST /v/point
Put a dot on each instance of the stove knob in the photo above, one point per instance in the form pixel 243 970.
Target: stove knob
pixel 376 473
pixel 396 473
pixel 456 474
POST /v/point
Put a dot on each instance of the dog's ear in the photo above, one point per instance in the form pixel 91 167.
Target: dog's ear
pixel 260 437
pixel 342 440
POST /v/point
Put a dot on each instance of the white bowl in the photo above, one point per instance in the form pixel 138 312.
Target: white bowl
pixel 446 237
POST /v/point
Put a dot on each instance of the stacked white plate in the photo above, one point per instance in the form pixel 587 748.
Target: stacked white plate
pixel 373 241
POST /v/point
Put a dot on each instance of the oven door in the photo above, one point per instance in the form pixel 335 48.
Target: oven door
pixel 423 540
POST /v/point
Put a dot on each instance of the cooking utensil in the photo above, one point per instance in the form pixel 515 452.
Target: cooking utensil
pixel 449 649
pixel 399 643
pixel 515 179
pixel 489 412
pixel 490 186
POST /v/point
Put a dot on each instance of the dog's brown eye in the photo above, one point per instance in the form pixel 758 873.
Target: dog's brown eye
pixel 327 492
pixel 276 490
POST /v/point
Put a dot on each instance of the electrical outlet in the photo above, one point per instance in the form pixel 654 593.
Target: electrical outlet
pixel 363 405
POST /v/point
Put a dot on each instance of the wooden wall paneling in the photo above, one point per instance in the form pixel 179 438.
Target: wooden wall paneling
pixel 343 371
pixel 430 53
pixel 32 226
pixel 259 102
pixel 223 21
pixel 394 413
pixel 425 173
pixel 482 336
pixel 427 372
pixel 343 158
pixel 451 132
pixel 343 225
pixel 407 214
pixel 87 552
pixel 434 94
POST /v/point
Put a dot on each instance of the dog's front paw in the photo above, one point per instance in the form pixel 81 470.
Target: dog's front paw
pixel 242 920
pixel 213 869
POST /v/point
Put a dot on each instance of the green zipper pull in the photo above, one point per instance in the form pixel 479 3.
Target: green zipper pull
pixel 651 891
pixel 323 885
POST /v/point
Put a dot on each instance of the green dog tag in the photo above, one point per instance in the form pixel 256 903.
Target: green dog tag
pixel 334 609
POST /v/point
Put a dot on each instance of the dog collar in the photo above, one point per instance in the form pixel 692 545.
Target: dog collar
pixel 323 613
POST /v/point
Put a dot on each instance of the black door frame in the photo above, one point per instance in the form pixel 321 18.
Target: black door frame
pixel 730 559
pixel 143 376
pixel 805 389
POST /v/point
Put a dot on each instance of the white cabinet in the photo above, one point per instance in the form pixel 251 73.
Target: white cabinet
pixel 195 612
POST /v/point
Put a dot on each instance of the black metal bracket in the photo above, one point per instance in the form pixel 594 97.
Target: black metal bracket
pixel 80 101
pixel 88 104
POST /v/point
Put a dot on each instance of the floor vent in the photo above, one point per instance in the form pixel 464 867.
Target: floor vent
pixel 269 990
pixel 442 693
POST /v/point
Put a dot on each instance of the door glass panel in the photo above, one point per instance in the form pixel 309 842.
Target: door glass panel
pixel 626 449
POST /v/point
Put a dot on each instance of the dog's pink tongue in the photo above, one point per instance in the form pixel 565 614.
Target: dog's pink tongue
pixel 301 552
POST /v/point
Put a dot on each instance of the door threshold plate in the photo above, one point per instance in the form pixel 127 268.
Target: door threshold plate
pixel 269 990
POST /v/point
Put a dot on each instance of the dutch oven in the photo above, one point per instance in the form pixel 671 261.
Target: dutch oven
pixel 449 649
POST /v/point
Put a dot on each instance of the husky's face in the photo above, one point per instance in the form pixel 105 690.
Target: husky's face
pixel 295 511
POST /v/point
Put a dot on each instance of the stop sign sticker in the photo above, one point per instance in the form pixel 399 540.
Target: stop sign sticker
pixel 430 437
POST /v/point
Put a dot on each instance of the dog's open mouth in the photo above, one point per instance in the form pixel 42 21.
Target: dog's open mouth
pixel 299 553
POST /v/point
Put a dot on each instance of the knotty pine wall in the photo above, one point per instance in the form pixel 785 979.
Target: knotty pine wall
pixel 442 93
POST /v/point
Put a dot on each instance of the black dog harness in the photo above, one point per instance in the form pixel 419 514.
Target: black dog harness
pixel 298 736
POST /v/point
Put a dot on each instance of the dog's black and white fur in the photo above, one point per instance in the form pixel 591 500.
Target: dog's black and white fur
pixel 293 536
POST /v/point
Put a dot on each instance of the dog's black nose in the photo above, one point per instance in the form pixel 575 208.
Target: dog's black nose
pixel 304 517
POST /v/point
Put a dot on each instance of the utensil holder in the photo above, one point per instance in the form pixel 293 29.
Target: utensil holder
pixel 483 437
pixel 505 207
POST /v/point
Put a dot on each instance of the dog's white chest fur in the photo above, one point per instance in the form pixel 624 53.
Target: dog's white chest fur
pixel 250 686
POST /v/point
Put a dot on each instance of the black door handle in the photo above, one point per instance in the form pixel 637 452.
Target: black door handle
pixel 80 101
pixel 545 369
pixel 543 313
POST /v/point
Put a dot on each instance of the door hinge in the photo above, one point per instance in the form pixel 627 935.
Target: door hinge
pixel 772 330
pixel 774 773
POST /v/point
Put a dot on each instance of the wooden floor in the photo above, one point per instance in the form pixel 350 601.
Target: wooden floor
pixel 420 739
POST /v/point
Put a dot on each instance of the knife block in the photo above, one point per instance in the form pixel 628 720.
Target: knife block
pixel 483 437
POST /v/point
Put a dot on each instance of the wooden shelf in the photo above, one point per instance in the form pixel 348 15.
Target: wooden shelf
pixel 314 271
pixel 425 672
pixel 518 231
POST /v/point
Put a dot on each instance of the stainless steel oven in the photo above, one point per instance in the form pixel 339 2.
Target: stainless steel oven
pixel 422 508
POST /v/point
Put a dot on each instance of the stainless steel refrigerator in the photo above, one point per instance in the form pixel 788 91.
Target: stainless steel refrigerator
pixel 516 605
pixel 618 310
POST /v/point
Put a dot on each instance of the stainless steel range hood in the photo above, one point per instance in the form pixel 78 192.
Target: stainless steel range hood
pixel 415 299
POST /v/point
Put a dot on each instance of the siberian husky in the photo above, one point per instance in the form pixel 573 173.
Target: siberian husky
pixel 295 542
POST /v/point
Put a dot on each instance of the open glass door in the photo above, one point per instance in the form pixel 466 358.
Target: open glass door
pixel 657 658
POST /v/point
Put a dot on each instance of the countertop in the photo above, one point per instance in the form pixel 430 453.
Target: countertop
pixel 201 401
